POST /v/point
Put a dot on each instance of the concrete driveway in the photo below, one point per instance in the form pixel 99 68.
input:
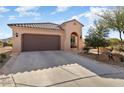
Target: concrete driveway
pixel 58 68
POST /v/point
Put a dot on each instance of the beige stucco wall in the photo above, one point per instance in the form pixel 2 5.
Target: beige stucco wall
pixel 70 28
pixel 65 35
pixel 17 47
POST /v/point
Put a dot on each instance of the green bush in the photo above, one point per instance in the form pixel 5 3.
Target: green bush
pixel 1 44
pixel 5 44
pixel 9 43
pixel 122 58
pixel 3 56
pixel 114 41
pixel 121 49
pixel 1 60
pixel 86 50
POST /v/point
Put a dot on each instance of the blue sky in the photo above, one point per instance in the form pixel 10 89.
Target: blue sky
pixel 55 14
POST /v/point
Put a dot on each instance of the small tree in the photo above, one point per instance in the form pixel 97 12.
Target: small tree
pixel 9 43
pixel 0 43
pixel 114 41
pixel 97 35
pixel 114 18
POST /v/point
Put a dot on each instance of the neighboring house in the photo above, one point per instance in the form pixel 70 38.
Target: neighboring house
pixel 47 36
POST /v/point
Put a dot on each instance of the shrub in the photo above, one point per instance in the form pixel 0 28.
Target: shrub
pixel 3 56
pixel 4 44
pixel 86 49
pixel 9 43
pixel 1 44
pixel 114 41
pixel 121 59
pixel 121 49
pixel 1 60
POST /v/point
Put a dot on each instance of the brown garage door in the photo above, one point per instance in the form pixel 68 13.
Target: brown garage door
pixel 31 42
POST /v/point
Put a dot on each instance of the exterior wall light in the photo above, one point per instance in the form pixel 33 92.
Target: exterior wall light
pixel 81 36
pixel 16 34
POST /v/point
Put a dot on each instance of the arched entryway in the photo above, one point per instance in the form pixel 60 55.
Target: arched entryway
pixel 74 42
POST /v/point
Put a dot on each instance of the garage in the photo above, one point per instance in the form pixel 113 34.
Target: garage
pixel 46 36
pixel 34 42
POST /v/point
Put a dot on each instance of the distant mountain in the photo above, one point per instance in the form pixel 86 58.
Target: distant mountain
pixel 6 40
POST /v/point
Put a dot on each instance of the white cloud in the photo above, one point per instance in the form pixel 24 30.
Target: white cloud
pixel 91 15
pixel 28 11
pixel 3 9
pixel 78 16
pixel 12 17
pixel 4 35
pixel 60 9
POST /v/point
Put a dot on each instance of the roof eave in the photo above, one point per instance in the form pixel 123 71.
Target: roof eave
pixel 73 20
pixel 34 27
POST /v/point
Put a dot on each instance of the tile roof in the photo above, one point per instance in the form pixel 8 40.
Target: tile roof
pixel 72 20
pixel 38 25
pixel 43 25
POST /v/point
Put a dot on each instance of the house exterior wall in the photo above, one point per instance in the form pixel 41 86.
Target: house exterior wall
pixel 69 28
pixel 17 41
pixel 65 34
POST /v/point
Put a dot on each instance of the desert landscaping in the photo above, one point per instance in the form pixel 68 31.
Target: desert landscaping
pixel 5 53
pixel 47 54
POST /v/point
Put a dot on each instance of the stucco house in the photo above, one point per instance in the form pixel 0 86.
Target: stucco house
pixel 47 36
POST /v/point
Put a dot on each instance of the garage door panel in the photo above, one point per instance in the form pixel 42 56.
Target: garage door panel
pixel 33 42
